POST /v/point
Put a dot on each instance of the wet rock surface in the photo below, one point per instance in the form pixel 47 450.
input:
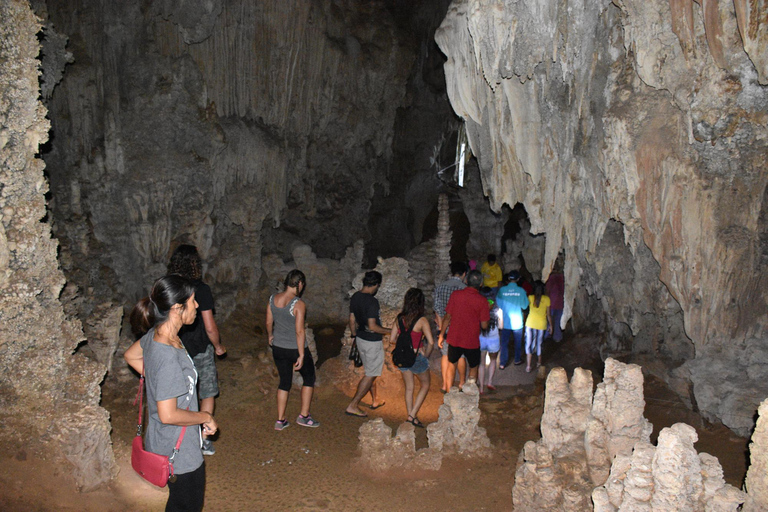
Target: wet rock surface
pixel 623 129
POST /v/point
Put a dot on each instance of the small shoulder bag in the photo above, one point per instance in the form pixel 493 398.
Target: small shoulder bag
pixel 154 468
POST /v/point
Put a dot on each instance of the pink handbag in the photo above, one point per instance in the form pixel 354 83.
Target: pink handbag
pixel 152 467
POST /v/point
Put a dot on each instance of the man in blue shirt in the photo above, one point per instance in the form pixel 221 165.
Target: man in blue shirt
pixel 512 300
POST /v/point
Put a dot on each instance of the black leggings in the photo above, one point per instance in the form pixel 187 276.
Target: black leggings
pixel 187 493
pixel 285 358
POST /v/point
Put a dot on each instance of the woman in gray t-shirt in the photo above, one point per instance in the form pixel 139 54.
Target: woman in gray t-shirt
pixel 285 328
pixel 171 382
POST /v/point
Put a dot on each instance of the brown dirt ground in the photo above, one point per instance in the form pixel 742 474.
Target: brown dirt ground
pixel 256 468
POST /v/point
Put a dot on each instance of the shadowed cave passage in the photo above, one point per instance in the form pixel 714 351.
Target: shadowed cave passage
pixel 629 137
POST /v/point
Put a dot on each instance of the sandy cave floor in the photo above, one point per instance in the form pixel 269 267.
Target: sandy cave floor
pixel 256 468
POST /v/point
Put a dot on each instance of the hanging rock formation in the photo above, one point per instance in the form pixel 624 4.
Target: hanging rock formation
pixel 49 404
pixel 643 120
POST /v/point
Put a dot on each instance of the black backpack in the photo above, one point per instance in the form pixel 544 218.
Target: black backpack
pixel 404 356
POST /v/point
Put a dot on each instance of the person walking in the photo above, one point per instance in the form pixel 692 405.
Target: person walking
pixel 171 382
pixel 365 326
pixel 441 295
pixel 513 301
pixel 412 314
pixel 467 312
pixel 287 339
pixel 489 344
pixel 201 338
pixel 538 322
pixel 556 292
pixel 492 274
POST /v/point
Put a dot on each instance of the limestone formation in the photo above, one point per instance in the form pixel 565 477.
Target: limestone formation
pixel 158 142
pixel 757 476
pixel 668 477
pixel 633 131
pixel 442 242
pixel 457 427
pixel 50 399
pixel 455 433
pixel 327 280
pixel 595 451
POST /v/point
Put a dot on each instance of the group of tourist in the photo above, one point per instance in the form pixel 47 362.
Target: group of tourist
pixel 476 312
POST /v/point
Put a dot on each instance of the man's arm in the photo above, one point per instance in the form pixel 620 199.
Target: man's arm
pixel 212 330
pixel 374 327
pixel 446 323
pixel 352 325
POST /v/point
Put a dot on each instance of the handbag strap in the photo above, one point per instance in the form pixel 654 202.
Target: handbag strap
pixel 140 398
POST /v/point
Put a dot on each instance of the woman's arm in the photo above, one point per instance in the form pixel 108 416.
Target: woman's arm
pixel 270 336
pixel 426 330
pixel 213 331
pixel 500 318
pixel 299 312
pixel 549 320
pixel 394 333
pixel 134 356
pixel 170 414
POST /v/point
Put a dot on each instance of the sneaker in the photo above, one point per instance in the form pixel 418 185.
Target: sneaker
pixel 307 421
pixel 281 424
pixel 208 448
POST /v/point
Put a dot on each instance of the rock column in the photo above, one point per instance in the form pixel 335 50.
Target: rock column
pixel 49 406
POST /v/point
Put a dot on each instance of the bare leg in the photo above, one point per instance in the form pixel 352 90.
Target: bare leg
pixel 444 364
pixel 206 405
pixel 451 373
pixel 423 390
pixel 528 357
pixel 362 389
pixel 408 381
pixel 306 399
pixel 282 403
pixel 491 368
pixel 374 395
pixel 473 373
pixel 461 367
pixel 481 371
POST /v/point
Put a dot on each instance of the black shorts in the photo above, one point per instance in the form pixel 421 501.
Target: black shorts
pixel 472 355
pixel 285 358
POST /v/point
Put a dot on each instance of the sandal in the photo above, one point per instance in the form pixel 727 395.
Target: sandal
pixel 415 422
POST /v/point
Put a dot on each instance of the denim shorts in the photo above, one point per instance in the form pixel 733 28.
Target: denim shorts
pixel 419 366
pixel 207 378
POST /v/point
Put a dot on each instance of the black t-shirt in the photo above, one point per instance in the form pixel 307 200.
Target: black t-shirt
pixel 193 336
pixel 365 306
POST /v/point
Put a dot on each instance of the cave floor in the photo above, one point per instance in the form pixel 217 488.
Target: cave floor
pixel 256 468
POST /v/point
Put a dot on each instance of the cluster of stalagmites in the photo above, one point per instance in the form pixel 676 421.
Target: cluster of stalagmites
pixel 456 432
pixel 595 451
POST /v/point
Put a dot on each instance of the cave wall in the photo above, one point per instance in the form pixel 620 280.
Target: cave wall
pixel 246 128
pixel 49 398
pixel 649 114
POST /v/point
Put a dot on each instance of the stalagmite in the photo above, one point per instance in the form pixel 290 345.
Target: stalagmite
pixel 443 241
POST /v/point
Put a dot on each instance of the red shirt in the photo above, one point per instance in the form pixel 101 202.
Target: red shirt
pixel 467 309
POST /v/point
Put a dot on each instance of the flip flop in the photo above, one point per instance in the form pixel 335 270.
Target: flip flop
pixel 491 387
pixel 373 408
pixel 361 415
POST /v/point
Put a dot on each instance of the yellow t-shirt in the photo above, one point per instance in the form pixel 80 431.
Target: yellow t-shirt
pixel 537 316
pixel 491 274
